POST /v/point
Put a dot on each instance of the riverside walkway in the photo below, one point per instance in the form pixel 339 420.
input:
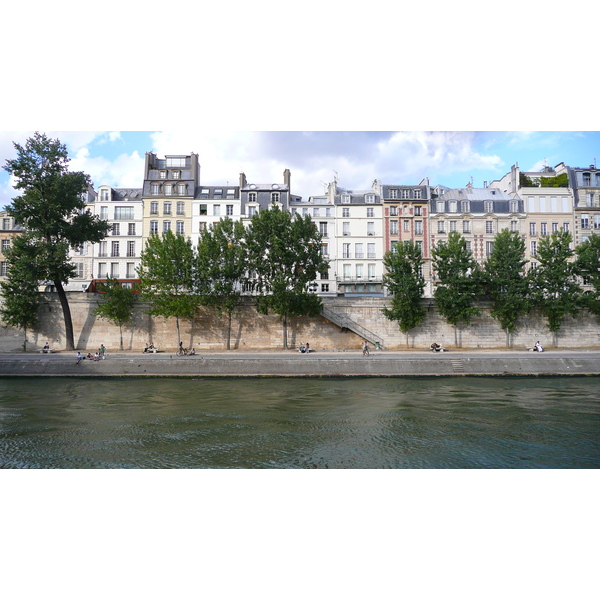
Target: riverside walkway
pixel 409 363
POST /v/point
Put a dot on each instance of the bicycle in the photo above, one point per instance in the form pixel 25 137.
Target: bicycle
pixel 182 352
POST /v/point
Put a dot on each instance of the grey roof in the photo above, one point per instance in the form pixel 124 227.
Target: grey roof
pixel 129 193
pixel 469 193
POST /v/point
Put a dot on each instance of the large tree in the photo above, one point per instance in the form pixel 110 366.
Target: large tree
pixel 554 280
pixel 21 298
pixel 117 304
pixel 284 254
pixel 458 280
pixel 166 277
pixel 53 212
pixel 506 281
pixel 405 283
pixel 588 266
pixel 221 267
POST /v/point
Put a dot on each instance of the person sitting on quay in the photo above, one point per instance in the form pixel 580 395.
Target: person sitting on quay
pixel 435 347
pixel 538 347
pixel 46 347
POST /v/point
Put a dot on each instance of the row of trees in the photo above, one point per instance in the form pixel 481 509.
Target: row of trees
pixel 553 286
pixel 276 257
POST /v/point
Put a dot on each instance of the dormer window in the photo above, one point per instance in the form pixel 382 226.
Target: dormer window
pixel 218 193
pixel 370 198
pixel 417 194
pixel 231 193
pixel 162 174
pixel 181 189
pixel 488 207
pixel 405 194
pixel 204 193
pixel 252 196
pixel 154 189
pixel 393 194
pixel 176 174
pixel 587 179
pixel 168 189
pixel 274 196
pixel 345 198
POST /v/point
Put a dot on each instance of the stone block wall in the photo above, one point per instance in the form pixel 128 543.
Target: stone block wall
pixel 251 330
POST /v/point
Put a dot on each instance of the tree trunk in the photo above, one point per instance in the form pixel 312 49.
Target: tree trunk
pixel 25 341
pixel 121 334
pixel 285 332
pixel 229 332
pixel 69 340
pixel 178 333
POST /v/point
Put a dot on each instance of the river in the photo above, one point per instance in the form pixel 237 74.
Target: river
pixel 335 423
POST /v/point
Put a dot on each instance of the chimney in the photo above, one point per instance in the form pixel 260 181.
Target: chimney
pixel 286 178
pixel 243 182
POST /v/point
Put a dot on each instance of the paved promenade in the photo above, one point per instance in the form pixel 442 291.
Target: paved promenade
pixel 416 363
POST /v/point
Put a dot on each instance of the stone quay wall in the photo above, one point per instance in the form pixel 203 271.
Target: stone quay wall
pixel 251 330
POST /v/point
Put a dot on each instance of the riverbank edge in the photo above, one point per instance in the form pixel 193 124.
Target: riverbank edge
pixel 319 365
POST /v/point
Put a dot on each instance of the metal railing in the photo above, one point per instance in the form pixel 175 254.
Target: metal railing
pixel 345 322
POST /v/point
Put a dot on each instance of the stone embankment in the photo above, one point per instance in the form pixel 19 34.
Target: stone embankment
pixel 318 364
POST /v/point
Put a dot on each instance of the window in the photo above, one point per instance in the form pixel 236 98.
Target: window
pixel 533 248
pixel 346 228
pixel 229 210
pixel 324 287
pixel 104 213
pixel 203 209
pixel 346 251
pixel 489 248
pixel 251 211
pixel 370 198
pixel 218 193
pixel 217 210
pixel 114 249
pixel 589 199
pixel 406 225
pixel 345 198
pixel 359 271
pixel 154 189
pixel 452 225
pixel 3 268
pixel 393 194
pixel 370 212
pixel 532 228
pixel 252 197
pixel 465 206
pixel 176 174
pixel 394 246
pixel 101 270
pixel 543 229
pixel 565 226
pixel 514 206
pixel 358 251
pixel 204 193
pixel 181 208
pixel 347 272
pixel 5 245
pixel 116 228
pixel 585 221
pixel 168 189
pixel 394 227
pixel 405 194
pixel 166 226
pixel 274 197
pixel 323 228
pixel 79 273
pixel 586 179
pixel 102 249
pixel 440 226
pixel 124 213
pixel 130 248
pixel 202 226
pixel 370 228
pixel 468 247
pixel 231 193
pixel 420 247
pixel 371 271
pixel 370 250
pixel 316 211
pixel 418 227
pixel 466 226
pixel 514 226
pixel 488 207
pixel 104 195
pixel 167 208
pixel 345 213
pixel 180 227
pixel 554 227
pixel 489 227
pixel 417 211
pixel 440 206
pixel 114 270
pixel 417 194
pixel 324 250
pixel 6 224
pixel 163 174
pixel 175 161
pixel 452 206
pixel 153 226
pixel 154 208
pixel 597 221
pixel 393 211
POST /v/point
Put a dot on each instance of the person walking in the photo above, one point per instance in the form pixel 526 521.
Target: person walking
pixel 365 348
pixel 79 358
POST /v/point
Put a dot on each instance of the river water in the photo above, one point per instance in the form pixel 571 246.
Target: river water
pixel 369 423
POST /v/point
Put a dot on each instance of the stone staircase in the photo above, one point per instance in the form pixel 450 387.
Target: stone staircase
pixel 345 322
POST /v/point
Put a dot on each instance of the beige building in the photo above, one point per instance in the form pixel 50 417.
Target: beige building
pixel 9 229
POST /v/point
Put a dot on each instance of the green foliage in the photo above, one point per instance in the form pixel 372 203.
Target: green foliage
pixel 459 280
pixel 554 281
pixel 21 299
pixel 525 181
pixel 561 180
pixel 588 266
pixel 507 283
pixel 166 274
pixel 221 266
pixel 53 212
pixel 284 253
pixel 405 283
pixel 117 305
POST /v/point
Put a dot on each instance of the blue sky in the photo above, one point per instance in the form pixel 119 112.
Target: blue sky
pixel 116 158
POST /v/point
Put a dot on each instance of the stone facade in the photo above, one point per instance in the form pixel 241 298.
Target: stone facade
pixel 253 331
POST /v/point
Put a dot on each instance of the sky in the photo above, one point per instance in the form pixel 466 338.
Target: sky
pixel 355 158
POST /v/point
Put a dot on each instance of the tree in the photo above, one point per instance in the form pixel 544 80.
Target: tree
pixel 459 280
pixel 221 267
pixel 555 287
pixel 166 281
pixel 405 283
pixel 588 266
pixel 506 281
pixel 52 211
pixel 117 306
pixel 284 254
pixel 20 292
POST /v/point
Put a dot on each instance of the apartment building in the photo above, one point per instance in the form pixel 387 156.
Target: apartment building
pixel 256 196
pixel 586 194
pixel 212 203
pixel 8 231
